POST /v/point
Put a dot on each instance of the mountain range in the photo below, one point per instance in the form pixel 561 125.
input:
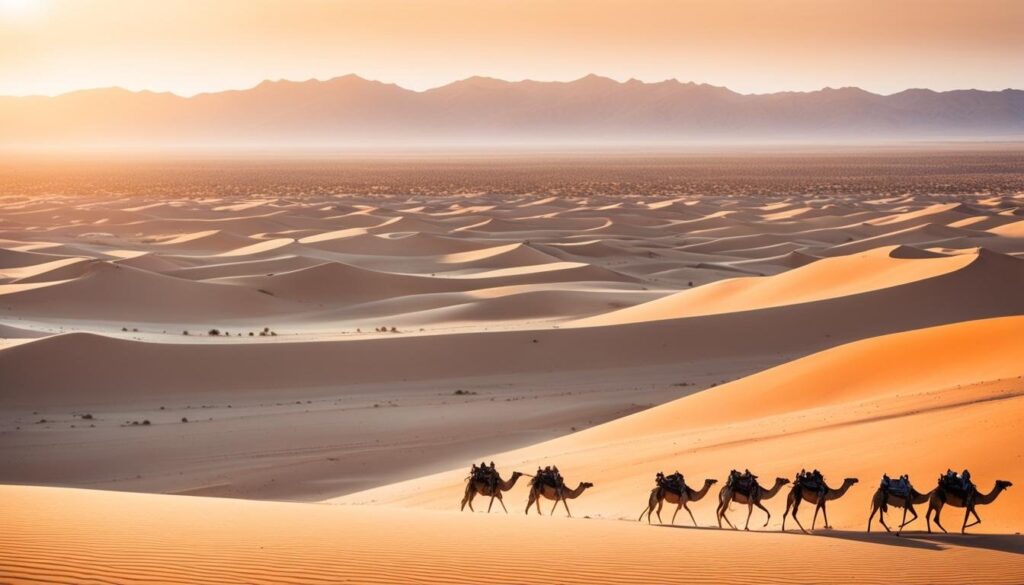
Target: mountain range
pixel 352 111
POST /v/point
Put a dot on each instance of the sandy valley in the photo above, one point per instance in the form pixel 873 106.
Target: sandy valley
pixel 345 340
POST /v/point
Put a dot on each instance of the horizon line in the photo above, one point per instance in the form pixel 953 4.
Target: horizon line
pixel 488 78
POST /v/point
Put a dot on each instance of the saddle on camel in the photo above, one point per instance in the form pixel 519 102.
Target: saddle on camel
pixel 900 488
pixel 811 481
pixel 673 483
pixel 485 473
pixel 744 483
pixel 958 485
pixel 549 476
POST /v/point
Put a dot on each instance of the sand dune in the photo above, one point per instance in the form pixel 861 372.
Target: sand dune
pixel 74 535
pixel 613 333
pixel 932 389
pixel 121 293
pixel 830 278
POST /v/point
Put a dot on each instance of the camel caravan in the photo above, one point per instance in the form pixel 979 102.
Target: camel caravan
pixel 952 489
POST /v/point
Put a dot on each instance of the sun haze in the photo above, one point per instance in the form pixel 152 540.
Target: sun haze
pixel 190 46
pixel 324 291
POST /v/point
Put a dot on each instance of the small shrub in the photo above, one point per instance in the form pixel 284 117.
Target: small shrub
pixel 87 416
pixel 214 332
pixel 185 332
pixel 124 329
pixel 184 419
pixel 146 422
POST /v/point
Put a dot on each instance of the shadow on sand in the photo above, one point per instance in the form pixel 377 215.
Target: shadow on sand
pixel 1008 543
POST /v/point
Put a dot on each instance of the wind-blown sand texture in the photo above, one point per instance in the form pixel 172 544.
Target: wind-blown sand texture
pixel 369 346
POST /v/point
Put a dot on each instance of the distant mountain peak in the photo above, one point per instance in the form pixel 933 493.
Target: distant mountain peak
pixel 350 109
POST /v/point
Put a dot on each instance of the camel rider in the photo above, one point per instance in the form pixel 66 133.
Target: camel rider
pixel 885 481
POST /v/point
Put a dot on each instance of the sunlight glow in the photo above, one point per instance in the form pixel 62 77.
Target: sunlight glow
pixel 22 9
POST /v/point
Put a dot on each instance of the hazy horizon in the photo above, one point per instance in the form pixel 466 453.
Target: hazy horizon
pixel 426 89
pixel 189 47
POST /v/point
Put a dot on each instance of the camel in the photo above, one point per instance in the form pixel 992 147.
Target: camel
pixel 558 495
pixel 728 495
pixel 883 498
pixel 659 495
pixel 941 497
pixel 799 493
pixel 484 489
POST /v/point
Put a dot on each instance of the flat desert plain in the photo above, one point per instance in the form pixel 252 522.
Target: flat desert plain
pixel 280 371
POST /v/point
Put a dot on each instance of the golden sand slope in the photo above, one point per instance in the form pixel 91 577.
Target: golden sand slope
pixel 78 536
pixel 915 402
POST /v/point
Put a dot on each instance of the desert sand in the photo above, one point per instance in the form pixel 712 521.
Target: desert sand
pixel 348 351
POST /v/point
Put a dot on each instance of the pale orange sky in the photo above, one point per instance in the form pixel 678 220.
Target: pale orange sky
pixel 752 46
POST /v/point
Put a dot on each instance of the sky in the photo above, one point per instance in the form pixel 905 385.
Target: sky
pixel 752 46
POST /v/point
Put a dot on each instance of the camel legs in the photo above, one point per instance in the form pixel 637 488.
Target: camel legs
pixel 650 508
pixel 647 511
pixel 977 519
pixel 820 506
pixel 721 515
pixel 789 503
pixel 658 511
pixel 692 519
pixel 501 501
pixel 796 506
pixel 534 499
pixel 769 518
pixel 679 505
pixel 467 499
pixel 881 518
pixel 750 511
pixel 566 505
pixel 938 523
pixel 907 508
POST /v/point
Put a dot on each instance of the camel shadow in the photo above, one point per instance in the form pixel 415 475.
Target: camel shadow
pixel 880 538
pixel 874 538
pixel 1008 543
